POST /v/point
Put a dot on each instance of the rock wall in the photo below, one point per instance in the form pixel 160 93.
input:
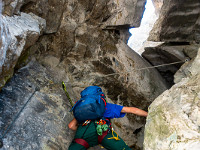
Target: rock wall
pixel 22 32
pixel 170 53
pixel 42 123
pixel 173 121
pixel 82 45
pixel 178 22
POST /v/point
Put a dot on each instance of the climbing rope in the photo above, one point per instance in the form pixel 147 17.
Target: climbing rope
pixel 114 137
pixel 178 62
pixel 145 68
pixel 11 124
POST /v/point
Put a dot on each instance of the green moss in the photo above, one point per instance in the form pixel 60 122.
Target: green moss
pixel 157 126
pixel 5 78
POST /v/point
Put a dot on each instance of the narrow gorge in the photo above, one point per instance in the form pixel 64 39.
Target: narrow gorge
pixel 84 42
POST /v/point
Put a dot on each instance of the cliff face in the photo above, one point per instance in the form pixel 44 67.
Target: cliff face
pixel 173 121
pixel 81 43
pixel 18 33
pixel 178 22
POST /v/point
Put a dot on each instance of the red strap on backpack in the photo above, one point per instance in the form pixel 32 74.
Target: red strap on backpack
pixel 104 101
pixel 101 137
pixel 82 142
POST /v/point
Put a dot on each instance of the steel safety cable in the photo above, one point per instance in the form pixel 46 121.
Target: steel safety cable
pixel 145 68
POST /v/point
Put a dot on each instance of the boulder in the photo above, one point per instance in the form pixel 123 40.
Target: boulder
pixel 51 11
pixel 173 121
pixel 19 33
pixel 125 13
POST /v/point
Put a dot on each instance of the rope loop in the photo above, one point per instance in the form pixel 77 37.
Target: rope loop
pixel 114 137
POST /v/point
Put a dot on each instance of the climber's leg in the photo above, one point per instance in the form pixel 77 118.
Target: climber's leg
pixel 87 133
pixel 113 144
pixel 75 146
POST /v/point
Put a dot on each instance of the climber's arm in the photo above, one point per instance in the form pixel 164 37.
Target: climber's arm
pixel 134 110
pixel 73 125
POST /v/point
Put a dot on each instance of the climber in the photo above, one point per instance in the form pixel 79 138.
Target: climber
pixel 92 132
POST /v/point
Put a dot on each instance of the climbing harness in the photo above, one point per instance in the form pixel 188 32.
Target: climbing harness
pixel 178 62
pixel 11 124
pixel 67 94
pixel 81 141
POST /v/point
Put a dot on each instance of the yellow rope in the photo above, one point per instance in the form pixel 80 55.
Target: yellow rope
pixel 114 137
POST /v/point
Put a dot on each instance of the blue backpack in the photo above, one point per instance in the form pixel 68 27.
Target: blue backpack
pixel 91 106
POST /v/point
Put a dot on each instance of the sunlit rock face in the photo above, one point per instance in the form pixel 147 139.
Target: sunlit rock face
pixel 174 117
pixel 79 50
pixel 157 4
pixel 18 33
pixel 178 22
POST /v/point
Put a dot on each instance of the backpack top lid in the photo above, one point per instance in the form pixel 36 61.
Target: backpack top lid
pixel 92 90
pixel 91 106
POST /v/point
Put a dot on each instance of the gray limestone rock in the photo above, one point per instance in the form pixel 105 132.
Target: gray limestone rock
pixel 168 53
pixel 51 11
pixel 125 13
pixel 23 32
pixel 189 69
pixel 42 124
pixel 173 121
pixel 178 22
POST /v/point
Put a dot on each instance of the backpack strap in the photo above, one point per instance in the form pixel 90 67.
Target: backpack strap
pixel 82 142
